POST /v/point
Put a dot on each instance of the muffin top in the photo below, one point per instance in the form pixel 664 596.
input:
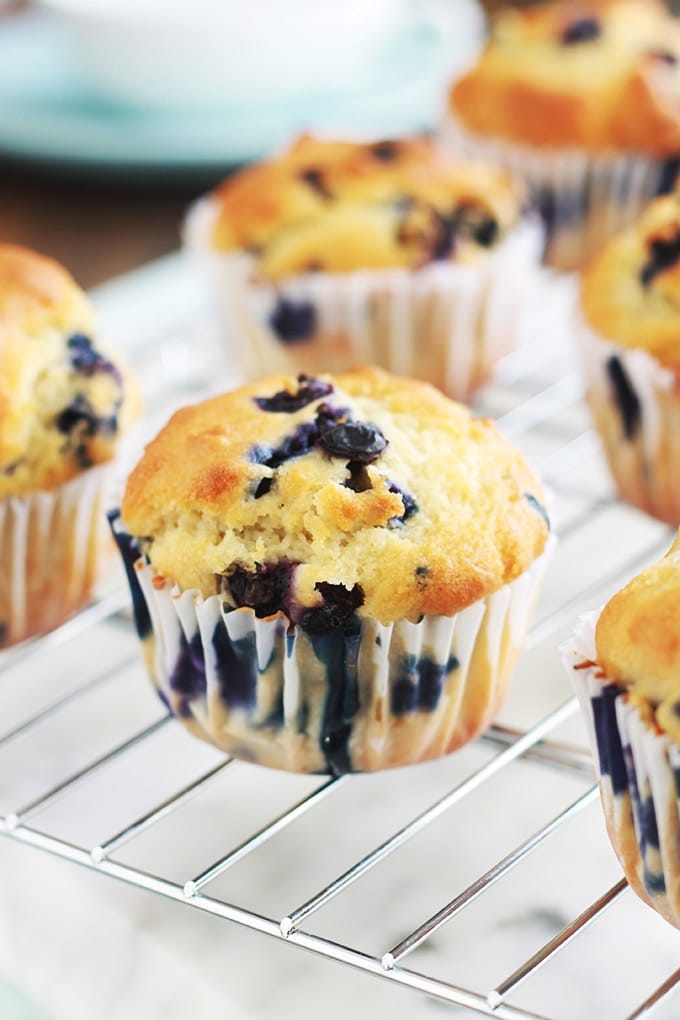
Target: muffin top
pixel 638 642
pixel 591 74
pixel 360 491
pixel 339 206
pixel 63 403
pixel 630 293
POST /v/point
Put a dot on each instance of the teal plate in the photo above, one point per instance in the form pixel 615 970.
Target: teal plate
pixel 49 113
pixel 15 1006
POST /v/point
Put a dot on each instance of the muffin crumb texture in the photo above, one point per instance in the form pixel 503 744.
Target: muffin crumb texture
pixel 338 206
pixel 600 75
pixel 63 401
pixel 325 497
pixel 630 293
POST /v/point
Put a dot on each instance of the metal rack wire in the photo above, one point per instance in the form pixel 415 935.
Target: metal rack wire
pixel 538 400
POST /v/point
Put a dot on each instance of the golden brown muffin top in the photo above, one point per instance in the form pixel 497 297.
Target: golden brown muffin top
pixel 638 641
pixel 365 484
pixel 591 74
pixel 339 206
pixel 630 293
pixel 63 402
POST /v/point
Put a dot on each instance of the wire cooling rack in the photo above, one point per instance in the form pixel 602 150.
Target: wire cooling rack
pixel 484 880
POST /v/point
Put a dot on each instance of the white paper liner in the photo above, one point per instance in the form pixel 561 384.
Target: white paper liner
pixel 266 691
pixel 586 197
pixel 447 324
pixel 53 546
pixel 644 458
pixel 639 776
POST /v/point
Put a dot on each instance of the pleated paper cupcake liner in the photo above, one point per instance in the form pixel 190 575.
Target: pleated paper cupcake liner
pixel 635 404
pixel 584 198
pixel 639 777
pixel 447 324
pixel 54 546
pixel 370 697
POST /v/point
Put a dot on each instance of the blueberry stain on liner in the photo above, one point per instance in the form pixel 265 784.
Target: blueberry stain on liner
pixel 187 680
pixel 130 554
pixel 335 634
pixel 419 684
pixel 625 397
pixel 610 751
pixel 236 668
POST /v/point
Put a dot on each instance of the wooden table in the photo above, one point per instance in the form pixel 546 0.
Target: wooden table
pixel 97 229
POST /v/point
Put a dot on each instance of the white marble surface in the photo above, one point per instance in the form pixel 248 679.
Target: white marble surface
pixel 84 946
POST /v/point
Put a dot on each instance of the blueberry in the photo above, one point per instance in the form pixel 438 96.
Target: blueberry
pixel 664 57
pixel 260 454
pixel 265 589
pixel 328 416
pixel 263 487
pixel 359 479
pixel 87 360
pixel 80 415
pixel 581 31
pixel 625 397
pixel 538 507
pixel 79 422
pixel 337 611
pixel 386 151
pixel 486 232
pixel 662 255
pixel 301 441
pixel 357 440
pixel 422 573
pixel 314 178
pixel 446 228
pixel 288 403
pixel 293 321
pixel 410 504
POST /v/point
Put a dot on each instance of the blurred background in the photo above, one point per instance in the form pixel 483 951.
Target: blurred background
pixel 115 114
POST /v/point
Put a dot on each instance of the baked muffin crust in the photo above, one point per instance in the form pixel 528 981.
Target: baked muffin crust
pixel 599 75
pixel 339 206
pixel 630 292
pixel 370 485
pixel 63 402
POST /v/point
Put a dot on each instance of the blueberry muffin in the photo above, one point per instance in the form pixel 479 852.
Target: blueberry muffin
pixel 625 666
pixel 332 574
pixel 582 100
pixel 393 252
pixel 64 405
pixel 629 335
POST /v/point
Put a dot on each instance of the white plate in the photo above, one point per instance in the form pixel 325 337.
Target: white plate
pixel 49 112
